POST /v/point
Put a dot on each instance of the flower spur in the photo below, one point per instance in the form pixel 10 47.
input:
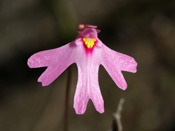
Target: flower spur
pixel 88 52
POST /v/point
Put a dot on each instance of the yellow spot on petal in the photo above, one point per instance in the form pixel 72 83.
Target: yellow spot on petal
pixel 89 42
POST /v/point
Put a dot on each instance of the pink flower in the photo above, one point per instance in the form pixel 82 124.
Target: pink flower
pixel 88 52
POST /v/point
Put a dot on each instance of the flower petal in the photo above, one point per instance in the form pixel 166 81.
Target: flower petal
pixel 94 90
pixel 88 86
pixel 115 62
pixel 81 97
pixel 127 63
pixel 57 60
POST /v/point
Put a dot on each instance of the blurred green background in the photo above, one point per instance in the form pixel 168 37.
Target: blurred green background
pixel 143 29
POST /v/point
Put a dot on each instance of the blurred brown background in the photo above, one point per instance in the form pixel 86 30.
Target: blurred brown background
pixel 144 29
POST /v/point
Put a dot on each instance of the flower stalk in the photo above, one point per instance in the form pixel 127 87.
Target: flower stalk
pixel 67 95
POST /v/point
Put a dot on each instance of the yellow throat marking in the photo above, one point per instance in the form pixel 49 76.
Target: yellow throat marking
pixel 89 42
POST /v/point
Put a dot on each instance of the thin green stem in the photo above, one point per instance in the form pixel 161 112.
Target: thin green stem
pixel 66 107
